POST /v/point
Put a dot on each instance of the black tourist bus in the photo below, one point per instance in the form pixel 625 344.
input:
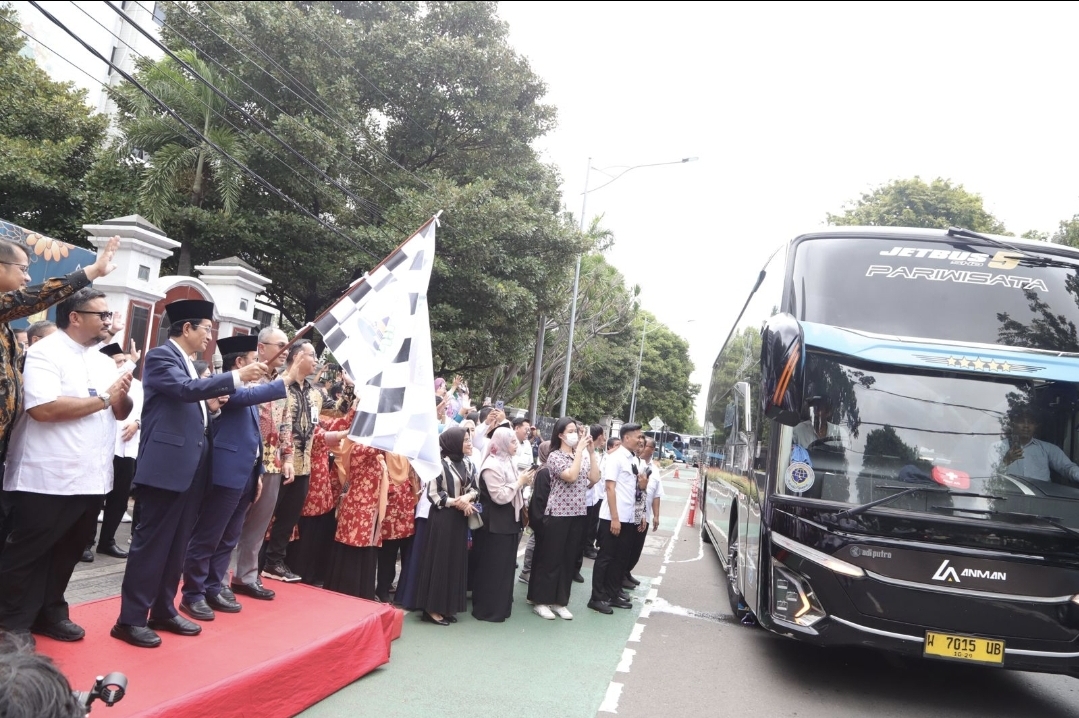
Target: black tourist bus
pixel 891 435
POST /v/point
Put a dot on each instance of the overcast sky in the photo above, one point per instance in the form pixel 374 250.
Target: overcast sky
pixel 793 109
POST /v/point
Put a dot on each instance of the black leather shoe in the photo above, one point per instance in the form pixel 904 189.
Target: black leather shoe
pixel 623 595
pixel 591 553
pixel 431 619
pixel 254 590
pixel 633 579
pixel 578 578
pixel 626 583
pixel 227 593
pixel 112 550
pixel 619 603
pixel 601 607
pixel 87 555
pixel 141 636
pixel 451 619
pixel 64 630
pixel 199 610
pixel 177 624
pixel 220 603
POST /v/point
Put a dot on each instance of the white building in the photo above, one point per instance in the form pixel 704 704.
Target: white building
pixel 109 33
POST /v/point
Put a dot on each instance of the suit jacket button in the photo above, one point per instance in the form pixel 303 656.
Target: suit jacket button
pixel 200 443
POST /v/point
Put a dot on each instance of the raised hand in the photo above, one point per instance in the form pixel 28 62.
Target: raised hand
pixel 253 371
pixel 104 264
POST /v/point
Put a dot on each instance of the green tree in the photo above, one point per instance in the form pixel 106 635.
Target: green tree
pixel 183 171
pixel 915 203
pixel 664 388
pixel 1067 233
pixel 48 138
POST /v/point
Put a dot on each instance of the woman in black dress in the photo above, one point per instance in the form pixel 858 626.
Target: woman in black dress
pixel 494 545
pixel 441 585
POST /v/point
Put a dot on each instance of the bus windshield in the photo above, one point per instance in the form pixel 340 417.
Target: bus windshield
pixel 949 290
pixel 869 431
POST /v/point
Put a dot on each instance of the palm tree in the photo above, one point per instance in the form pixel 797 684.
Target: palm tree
pixel 181 168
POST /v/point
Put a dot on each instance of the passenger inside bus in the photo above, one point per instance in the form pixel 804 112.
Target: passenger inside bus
pixel 1022 456
pixel 817 425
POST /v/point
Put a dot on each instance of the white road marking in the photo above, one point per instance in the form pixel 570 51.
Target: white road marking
pixel 657 580
pixel 662 570
pixel 635 635
pixel 610 700
pixel 627 660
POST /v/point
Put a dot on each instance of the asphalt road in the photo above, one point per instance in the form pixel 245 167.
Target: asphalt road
pixel 693 658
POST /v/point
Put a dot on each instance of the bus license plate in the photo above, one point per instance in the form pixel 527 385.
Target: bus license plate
pixel 964 648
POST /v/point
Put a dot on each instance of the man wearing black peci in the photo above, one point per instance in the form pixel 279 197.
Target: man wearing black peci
pixel 173 472
pixel 236 482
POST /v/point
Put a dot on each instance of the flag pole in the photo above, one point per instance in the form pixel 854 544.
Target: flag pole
pixel 307 327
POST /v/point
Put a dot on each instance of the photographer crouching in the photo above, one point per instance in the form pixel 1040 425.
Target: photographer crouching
pixel 31 686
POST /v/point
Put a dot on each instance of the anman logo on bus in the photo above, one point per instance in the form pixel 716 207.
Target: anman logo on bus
pixel 978 364
pixel 948 573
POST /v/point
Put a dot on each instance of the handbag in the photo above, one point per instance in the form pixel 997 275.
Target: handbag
pixel 475 521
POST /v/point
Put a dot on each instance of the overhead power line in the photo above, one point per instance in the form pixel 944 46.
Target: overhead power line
pixel 322 107
pixel 309 130
pixel 318 189
pixel 187 125
pixel 360 201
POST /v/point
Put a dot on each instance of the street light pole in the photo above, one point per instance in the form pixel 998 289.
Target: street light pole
pixel 637 376
pixel 577 270
pixel 573 304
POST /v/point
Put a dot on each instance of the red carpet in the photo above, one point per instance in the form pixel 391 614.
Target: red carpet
pixel 274 658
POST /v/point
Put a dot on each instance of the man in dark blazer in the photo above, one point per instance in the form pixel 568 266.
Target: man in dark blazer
pixel 236 481
pixel 173 472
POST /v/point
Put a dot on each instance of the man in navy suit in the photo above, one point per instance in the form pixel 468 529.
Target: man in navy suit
pixel 236 474
pixel 173 472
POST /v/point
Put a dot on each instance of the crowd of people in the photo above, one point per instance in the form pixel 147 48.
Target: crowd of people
pixel 255 463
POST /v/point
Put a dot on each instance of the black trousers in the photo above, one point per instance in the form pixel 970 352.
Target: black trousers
pixel 637 547
pixel 216 533
pixel 387 564
pixel 610 565
pixel 556 561
pixel 115 504
pixel 159 541
pixel 290 501
pixel 591 528
pixel 48 535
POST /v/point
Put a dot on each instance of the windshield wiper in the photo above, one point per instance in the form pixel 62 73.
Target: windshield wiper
pixel 1029 260
pixel 861 508
pixel 1027 518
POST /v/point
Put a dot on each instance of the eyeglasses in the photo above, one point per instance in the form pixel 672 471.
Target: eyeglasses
pixel 204 327
pixel 279 345
pixel 103 316
pixel 24 268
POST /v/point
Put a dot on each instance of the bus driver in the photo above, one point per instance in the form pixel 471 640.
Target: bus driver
pixel 1022 456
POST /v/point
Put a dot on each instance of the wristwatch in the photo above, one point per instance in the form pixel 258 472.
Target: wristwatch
pixel 106 399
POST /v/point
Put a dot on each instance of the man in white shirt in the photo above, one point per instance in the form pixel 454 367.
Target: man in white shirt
pixel 523 458
pixel 649 504
pixel 123 460
pixel 59 465
pixel 818 426
pixel 1024 457
pixel 621 479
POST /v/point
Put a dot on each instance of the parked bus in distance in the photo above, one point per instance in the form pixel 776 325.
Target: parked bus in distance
pixel 893 447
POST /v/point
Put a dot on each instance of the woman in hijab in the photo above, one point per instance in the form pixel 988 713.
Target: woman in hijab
pixel 494 545
pixel 441 584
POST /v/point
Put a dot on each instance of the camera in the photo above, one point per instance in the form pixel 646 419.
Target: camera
pixel 108 689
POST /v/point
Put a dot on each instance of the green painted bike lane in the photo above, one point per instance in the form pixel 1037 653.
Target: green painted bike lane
pixel 525 667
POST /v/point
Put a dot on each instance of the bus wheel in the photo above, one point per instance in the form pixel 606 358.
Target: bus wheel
pixel 734 594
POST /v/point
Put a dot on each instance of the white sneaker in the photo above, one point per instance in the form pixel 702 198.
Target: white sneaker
pixel 543 612
pixel 562 612
pixel 126 519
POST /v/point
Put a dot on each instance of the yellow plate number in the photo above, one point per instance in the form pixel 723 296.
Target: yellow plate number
pixel 964 648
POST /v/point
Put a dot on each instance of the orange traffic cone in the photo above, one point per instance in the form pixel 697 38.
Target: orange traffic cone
pixel 676 473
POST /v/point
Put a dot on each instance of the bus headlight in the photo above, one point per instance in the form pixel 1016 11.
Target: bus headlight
pixel 793 599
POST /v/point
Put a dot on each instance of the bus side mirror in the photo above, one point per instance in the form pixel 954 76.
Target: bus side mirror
pixel 783 369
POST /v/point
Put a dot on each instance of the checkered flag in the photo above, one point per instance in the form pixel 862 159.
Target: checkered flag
pixel 381 333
